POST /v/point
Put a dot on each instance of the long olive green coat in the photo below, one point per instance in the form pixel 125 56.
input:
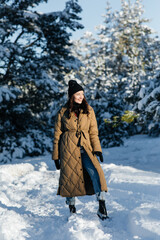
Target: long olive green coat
pixel 69 134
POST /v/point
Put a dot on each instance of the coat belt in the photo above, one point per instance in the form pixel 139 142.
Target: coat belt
pixel 79 133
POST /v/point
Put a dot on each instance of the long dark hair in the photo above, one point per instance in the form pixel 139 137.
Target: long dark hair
pixel 71 107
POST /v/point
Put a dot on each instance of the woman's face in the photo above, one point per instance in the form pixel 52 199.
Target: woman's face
pixel 78 97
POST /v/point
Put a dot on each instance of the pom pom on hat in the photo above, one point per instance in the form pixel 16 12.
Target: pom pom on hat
pixel 74 87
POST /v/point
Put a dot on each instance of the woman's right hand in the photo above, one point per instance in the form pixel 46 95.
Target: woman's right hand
pixel 57 164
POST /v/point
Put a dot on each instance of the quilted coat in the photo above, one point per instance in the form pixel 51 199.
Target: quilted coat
pixel 69 135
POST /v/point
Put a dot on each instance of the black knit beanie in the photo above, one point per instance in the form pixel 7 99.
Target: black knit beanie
pixel 74 87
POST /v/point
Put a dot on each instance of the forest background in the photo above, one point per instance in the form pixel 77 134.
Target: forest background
pixel 119 68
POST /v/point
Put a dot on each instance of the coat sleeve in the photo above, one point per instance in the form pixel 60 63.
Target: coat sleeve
pixel 57 135
pixel 93 133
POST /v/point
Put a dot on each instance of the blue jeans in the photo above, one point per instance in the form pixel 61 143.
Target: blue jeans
pixel 88 165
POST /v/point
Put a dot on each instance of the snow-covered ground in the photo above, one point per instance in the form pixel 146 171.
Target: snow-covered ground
pixel 30 208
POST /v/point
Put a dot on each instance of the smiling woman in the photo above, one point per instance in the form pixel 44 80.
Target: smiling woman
pixel 78 97
pixel 76 144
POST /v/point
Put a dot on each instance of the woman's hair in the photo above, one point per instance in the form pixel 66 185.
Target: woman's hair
pixel 84 105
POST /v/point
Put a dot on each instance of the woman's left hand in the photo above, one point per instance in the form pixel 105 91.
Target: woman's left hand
pixel 99 154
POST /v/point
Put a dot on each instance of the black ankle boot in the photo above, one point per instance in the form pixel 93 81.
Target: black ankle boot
pixel 72 209
pixel 102 212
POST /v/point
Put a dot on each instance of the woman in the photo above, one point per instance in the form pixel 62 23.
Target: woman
pixel 75 147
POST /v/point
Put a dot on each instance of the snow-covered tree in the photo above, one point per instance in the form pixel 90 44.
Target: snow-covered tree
pixel 148 104
pixel 135 56
pixel 115 67
pixel 34 56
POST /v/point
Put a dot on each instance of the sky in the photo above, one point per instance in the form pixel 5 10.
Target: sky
pixel 94 9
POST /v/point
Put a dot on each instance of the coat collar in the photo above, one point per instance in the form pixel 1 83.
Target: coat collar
pixel 80 115
pixel 65 107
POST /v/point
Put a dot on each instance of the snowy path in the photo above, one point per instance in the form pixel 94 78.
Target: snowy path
pixel 30 209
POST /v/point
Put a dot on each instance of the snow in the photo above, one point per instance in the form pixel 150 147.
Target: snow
pixel 29 14
pixel 6 93
pixel 155 91
pixel 142 102
pixel 30 208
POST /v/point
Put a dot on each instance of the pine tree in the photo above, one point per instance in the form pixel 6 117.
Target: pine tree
pixel 134 58
pixel 34 58
pixel 98 80
pixel 148 104
pixel 115 67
